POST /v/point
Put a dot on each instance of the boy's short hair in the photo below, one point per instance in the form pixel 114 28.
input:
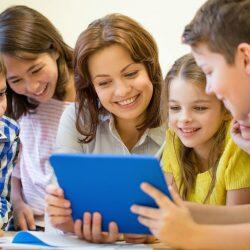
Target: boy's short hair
pixel 222 25
pixel 2 68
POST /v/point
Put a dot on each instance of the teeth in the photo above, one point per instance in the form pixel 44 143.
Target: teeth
pixel 39 93
pixel 189 130
pixel 128 101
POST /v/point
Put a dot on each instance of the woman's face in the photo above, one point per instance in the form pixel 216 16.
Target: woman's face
pixel 35 78
pixel 123 86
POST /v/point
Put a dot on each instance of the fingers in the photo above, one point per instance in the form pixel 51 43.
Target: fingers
pixel 152 224
pixel 30 220
pixel 113 234
pixel 135 238
pixel 20 222
pixel 176 197
pixel 91 229
pixel 161 199
pixel 54 190
pixel 52 200
pixel 57 221
pixel 151 213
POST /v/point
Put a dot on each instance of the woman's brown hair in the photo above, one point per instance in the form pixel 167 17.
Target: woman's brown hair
pixel 124 31
pixel 186 68
pixel 25 33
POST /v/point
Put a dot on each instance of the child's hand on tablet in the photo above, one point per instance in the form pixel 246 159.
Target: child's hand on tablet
pixel 58 209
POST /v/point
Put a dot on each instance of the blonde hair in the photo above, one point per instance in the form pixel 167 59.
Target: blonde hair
pixel 186 68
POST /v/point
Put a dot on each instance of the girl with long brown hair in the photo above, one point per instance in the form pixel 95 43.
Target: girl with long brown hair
pixel 40 85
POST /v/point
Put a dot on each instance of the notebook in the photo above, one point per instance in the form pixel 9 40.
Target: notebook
pixel 108 184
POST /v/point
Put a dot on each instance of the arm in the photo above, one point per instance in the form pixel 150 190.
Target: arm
pixel 210 214
pixel 172 223
pixel 23 215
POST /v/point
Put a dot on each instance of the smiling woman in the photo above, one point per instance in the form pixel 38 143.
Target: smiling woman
pixel 118 87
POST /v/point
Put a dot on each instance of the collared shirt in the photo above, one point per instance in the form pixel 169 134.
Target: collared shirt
pixel 107 139
pixel 9 144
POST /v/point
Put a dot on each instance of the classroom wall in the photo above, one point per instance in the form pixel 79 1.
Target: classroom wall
pixel 165 19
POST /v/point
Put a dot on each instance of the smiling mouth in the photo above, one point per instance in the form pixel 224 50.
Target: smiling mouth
pixel 189 131
pixel 42 91
pixel 128 101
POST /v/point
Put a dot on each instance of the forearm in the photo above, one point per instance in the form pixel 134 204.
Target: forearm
pixel 209 214
pixel 16 187
pixel 214 237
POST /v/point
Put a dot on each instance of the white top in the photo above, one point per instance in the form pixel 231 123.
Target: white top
pixel 37 133
pixel 107 139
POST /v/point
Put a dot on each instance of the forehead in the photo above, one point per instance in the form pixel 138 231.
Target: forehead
pixel 109 58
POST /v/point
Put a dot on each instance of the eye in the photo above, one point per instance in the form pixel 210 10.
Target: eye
pixel 174 108
pixel 131 74
pixel 200 108
pixel 103 83
pixel 36 71
pixel 15 81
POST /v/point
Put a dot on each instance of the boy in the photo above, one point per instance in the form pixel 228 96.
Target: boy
pixel 219 36
pixel 9 143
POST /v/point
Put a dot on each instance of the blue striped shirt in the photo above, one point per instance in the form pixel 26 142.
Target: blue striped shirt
pixel 9 144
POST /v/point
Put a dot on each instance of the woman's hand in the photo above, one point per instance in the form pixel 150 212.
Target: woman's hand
pixel 58 209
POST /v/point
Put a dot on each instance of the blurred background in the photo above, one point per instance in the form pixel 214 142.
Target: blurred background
pixel 164 19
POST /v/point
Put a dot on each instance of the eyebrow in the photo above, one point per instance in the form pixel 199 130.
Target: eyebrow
pixel 105 75
pixel 197 101
pixel 29 69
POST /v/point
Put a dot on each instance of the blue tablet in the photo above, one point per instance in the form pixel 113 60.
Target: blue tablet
pixel 108 184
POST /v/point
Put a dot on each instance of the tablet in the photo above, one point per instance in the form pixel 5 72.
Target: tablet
pixel 108 184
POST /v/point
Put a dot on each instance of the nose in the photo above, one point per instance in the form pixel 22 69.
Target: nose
pixel 122 88
pixel 185 116
pixel 32 87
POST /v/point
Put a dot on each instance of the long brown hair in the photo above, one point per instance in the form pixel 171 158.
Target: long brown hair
pixel 24 30
pixel 186 68
pixel 109 30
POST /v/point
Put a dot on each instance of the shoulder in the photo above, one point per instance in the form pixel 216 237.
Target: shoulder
pixel 8 128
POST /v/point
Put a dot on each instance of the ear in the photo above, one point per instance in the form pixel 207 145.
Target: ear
pixel 244 50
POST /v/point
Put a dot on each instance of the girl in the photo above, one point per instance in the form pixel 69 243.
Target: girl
pixel 40 85
pixel 226 182
pixel 201 159
pixel 118 86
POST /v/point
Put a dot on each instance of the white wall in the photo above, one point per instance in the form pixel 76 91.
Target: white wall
pixel 165 19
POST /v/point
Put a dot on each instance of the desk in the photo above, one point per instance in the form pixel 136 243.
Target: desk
pixel 156 246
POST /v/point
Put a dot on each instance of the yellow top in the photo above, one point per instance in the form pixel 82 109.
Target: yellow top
pixel 233 171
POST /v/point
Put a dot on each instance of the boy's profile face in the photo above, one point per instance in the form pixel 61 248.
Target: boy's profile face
pixel 230 83
pixel 3 101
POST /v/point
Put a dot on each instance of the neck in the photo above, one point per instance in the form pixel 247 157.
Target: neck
pixel 202 153
pixel 128 132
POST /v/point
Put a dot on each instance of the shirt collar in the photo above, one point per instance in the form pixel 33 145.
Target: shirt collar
pixel 156 134
pixel 3 137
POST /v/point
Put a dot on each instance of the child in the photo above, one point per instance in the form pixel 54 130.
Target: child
pixel 9 142
pixel 118 86
pixel 219 36
pixel 200 158
pixel 40 80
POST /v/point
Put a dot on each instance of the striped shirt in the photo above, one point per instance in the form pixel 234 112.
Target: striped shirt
pixel 38 134
pixel 9 144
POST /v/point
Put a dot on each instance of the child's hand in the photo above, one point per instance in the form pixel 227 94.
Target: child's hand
pixel 58 209
pixel 23 216
pixel 171 222
pixel 242 141
pixel 139 238
pixel 90 229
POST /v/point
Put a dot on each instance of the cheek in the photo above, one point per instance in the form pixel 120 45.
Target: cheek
pixel 3 106
pixel 19 89
pixel 103 96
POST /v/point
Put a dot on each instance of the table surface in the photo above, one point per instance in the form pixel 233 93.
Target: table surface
pixel 156 246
